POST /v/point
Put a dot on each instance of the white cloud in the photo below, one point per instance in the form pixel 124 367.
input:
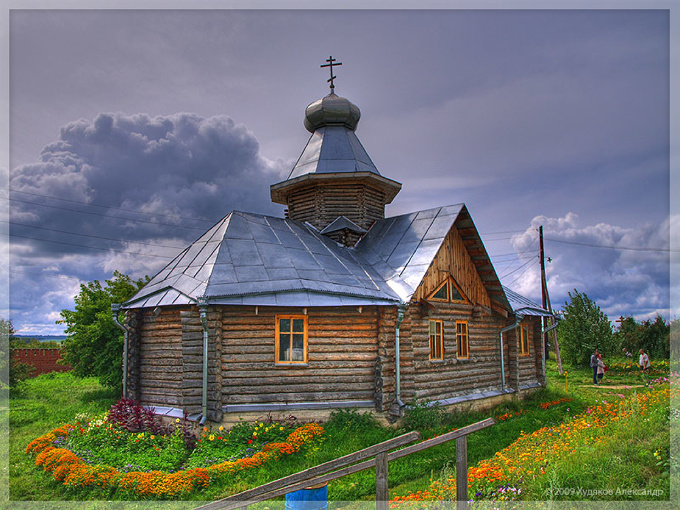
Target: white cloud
pixel 625 270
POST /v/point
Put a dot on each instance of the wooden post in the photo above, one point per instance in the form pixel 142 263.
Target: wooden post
pixel 546 301
pixel 461 473
pixel 381 486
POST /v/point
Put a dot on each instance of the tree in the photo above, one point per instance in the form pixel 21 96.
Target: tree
pixel 6 332
pixel 653 337
pixel 584 329
pixel 94 344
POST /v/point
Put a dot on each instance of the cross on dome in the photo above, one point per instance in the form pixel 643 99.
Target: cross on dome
pixel 330 64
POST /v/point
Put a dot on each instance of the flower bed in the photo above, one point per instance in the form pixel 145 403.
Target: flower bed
pixel 73 471
pixel 529 457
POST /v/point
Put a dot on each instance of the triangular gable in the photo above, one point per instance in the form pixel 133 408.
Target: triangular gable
pixel 448 291
pixel 463 261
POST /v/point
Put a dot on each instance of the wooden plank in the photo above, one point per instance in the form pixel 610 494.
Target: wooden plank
pixel 287 484
pixel 461 473
pixel 381 486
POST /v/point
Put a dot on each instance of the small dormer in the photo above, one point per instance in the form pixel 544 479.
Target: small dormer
pixel 344 231
pixel 334 176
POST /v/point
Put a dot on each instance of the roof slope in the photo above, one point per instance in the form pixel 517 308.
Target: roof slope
pixel 524 306
pixel 261 260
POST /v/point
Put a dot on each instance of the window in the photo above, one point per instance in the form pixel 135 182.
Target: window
pixel 291 339
pixel 524 341
pixel 462 339
pixel 447 291
pixel 436 340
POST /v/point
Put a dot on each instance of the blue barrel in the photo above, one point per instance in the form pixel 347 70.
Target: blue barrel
pixel 315 498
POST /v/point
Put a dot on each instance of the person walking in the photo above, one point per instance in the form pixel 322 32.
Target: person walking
pixel 600 368
pixel 644 361
pixel 593 365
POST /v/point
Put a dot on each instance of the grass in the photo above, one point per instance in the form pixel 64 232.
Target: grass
pixel 51 400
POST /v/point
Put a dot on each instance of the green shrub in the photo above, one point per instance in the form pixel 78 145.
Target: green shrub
pixel 424 414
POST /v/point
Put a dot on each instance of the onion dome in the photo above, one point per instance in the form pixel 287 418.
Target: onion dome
pixel 332 110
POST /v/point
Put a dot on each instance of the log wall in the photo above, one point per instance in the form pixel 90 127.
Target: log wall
pixel 342 356
pixel 159 358
pixel 320 205
pixel 451 377
pixel 454 259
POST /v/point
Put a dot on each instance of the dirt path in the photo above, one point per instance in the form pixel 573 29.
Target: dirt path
pixel 613 386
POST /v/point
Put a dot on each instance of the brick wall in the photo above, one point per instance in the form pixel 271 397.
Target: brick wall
pixel 44 360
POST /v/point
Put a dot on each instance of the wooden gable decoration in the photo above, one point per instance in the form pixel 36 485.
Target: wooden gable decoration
pixel 453 276
pixel 448 291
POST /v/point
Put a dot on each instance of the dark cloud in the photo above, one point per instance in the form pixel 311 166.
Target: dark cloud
pixel 133 177
pixel 127 193
pixel 625 270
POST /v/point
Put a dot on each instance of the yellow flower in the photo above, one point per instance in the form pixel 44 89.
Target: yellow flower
pixel 153 437
pixel 221 428
pixel 212 437
pixel 177 420
pixel 280 428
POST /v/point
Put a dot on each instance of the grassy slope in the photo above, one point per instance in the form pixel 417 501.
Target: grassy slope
pixel 50 401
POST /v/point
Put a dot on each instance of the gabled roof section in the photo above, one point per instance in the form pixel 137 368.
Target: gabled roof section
pixel 253 259
pixel 524 306
pixel 480 258
pixel 402 248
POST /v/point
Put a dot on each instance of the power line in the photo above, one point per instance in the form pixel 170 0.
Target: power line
pixel 522 273
pixel 628 248
pixel 92 236
pixel 102 206
pixel 517 269
pixel 106 215
pixel 90 247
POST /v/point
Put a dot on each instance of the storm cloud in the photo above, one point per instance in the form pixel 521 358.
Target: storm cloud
pixel 134 178
pixel 124 192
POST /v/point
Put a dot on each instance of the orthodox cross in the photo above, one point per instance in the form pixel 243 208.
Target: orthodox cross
pixel 330 64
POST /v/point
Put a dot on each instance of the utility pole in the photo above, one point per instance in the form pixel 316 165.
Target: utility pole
pixel 545 302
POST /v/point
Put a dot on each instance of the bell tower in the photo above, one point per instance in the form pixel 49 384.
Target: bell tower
pixel 334 185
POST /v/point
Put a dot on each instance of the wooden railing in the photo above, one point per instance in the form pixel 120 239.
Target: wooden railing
pixel 374 456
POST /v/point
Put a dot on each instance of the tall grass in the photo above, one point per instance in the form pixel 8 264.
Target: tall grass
pixel 51 400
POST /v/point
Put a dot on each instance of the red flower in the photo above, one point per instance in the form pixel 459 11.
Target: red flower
pixel 250 441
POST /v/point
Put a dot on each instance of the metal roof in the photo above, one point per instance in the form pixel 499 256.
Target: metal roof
pixel 261 260
pixel 524 306
pixel 333 149
pixel 340 223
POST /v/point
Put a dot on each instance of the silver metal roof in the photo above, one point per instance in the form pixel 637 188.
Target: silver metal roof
pixel 251 259
pixel 342 222
pixel 333 149
pixel 524 306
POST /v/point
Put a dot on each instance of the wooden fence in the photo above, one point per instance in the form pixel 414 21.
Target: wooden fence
pixel 377 456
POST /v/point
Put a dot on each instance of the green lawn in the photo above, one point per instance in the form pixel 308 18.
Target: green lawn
pixel 51 400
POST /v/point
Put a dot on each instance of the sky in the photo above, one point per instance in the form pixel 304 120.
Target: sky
pixel 131 132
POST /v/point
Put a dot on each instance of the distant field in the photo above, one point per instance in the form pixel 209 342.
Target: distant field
pixel 40 338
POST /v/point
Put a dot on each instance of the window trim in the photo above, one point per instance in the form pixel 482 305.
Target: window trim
pixel 459 336
pixel 278 336
pixel 449 298
pixel 439 339
pixel 524 340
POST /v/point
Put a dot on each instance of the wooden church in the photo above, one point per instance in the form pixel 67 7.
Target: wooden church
pixel 333 306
